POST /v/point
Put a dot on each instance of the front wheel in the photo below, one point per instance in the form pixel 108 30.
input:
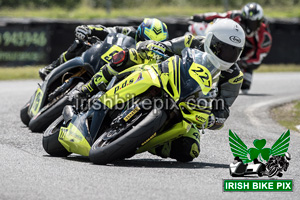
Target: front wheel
pixel 25 118
pixel 44 118
pixel 106 150
pixel 50 139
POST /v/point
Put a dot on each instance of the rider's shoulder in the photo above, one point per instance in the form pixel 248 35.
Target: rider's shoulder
pixel 234 70
pixel 233 14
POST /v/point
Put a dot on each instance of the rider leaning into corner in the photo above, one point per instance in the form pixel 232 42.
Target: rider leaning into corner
pixel 258 37
pixel 224 53
pixel 145 31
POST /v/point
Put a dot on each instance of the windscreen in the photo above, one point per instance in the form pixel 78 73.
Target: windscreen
pixel 189 86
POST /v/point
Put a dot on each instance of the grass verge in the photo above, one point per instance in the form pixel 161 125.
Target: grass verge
pixel 287 115
pixel 279 68
pixel 16 73
pixel 31 72
pixel 86 12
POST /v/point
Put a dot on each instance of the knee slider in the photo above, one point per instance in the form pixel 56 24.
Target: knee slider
pixel 185 149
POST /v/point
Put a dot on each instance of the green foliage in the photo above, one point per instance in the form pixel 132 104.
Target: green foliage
pixel 69 4
pixel 90 9
pixel 155 3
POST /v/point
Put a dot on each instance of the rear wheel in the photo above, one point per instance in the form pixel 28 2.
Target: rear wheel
pixel 50 139
pixel 118 142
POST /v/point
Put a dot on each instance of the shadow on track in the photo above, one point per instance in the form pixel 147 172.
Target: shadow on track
pixel 256 94
pixel 150 163
pixel 77 158
pixel 160 163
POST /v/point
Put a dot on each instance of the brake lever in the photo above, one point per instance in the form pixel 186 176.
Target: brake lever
pixel 160 54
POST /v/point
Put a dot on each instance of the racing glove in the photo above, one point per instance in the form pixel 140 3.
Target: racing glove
pixel 221 112
pixel 151 50
pixel 82 32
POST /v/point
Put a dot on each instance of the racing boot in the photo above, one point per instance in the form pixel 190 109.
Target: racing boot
pixel 76 49
pixel 183 149
pixel 46 70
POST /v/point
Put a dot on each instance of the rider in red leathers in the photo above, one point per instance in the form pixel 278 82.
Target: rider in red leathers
pixel 258 37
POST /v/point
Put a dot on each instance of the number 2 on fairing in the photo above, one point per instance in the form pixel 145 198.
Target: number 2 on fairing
pixel 202 72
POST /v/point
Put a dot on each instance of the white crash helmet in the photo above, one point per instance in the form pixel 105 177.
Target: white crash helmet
pixel 225 40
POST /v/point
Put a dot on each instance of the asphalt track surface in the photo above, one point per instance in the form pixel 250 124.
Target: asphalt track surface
pixel 27 172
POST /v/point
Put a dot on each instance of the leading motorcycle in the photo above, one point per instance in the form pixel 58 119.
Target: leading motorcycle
pixel 143 107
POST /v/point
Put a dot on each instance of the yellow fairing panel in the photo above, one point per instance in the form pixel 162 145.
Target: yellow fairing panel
pixel 172 78
pixel 134 85
pixel 37 102
pixel 73 140
pixel 202 75
pixel 176 131
pixel 195 114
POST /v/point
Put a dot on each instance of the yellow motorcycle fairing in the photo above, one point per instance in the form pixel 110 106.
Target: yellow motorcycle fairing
pixel 194 113
pixel 73 140
pixel 171 79
pixel 203 77
pixel 36 102
pixel 142 78
pixel 176 131
pixel 135 84
pixel 185 79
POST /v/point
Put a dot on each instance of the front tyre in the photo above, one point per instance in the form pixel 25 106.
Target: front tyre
pixel 50 112
pixel 43 119
pixel 105 151
pixel 25 118
pixel 50 140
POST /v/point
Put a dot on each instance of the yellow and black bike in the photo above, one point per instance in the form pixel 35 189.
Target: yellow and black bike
pixel 142 107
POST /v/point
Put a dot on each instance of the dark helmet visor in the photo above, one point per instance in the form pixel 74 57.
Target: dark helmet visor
pixel 224 51
pixel 252 25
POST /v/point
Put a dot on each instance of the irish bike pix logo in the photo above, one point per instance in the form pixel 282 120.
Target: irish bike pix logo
pixel 259 161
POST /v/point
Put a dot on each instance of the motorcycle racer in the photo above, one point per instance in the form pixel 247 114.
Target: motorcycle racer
pixel 258 37
pixel 225 53
pixel 149 29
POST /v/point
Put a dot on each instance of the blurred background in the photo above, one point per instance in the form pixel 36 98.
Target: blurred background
pixel 35 32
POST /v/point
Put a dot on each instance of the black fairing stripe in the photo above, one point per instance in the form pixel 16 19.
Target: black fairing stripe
pixel 161 85
pixel 98 117
pixel 177 73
